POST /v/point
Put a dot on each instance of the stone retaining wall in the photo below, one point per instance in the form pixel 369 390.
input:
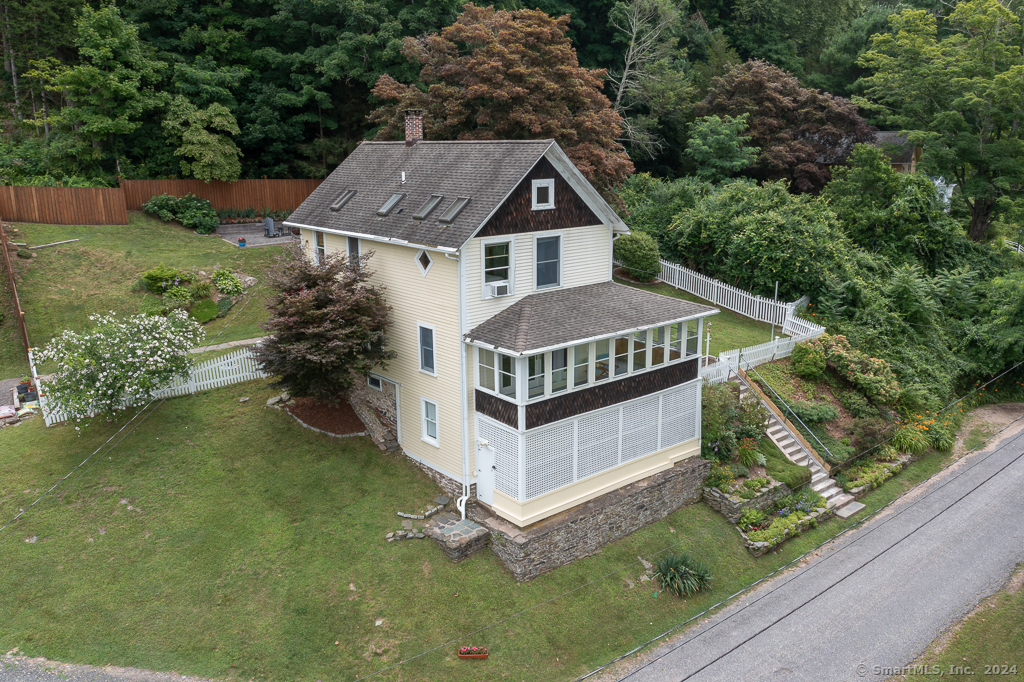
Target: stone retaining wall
pixel 584 530
pixel 377 409
pixel 732 506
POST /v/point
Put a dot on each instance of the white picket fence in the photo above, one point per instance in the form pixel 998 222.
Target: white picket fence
pixel 222 371
pixel 1015 246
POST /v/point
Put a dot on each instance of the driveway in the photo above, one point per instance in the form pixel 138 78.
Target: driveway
pixel 870 602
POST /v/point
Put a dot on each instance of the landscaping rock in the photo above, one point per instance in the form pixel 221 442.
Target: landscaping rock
pixel 243 400
pixel 274 401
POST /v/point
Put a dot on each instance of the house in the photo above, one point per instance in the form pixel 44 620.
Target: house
pixel 903 156
pixel 525 378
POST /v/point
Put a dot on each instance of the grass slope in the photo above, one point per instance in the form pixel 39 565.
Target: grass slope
pixel 729 330
pixel 63 285
pixel 221 539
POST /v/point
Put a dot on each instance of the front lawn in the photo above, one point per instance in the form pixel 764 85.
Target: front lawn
pixel 221 539
pixel 63 285
pixel 729 330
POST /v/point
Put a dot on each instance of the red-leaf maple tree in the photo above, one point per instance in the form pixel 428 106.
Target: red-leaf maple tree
pixel 801 131
pixel 508 75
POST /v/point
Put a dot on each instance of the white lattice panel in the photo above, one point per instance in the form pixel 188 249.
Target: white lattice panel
pixel 598 442
pixel 679 415
pixel 506 455
pixel 548 459
pixel 639 428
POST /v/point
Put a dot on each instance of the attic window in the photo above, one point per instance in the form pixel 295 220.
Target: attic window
pixel 428 206
pixel 389 204
pixel 343 199
pixel 424 261
pixel 543 194
pixel 453 211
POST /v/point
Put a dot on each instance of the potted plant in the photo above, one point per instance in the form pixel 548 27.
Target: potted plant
pixel 241 241
pixel 473 652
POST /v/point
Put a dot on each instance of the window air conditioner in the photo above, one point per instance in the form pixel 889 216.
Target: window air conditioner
pixel 499 289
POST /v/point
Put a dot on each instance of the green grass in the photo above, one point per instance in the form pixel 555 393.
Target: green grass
pixel 65 284
pixel 780 468
pixel 246 532
pixel 729 330
pixel 988 639
pixel 978 435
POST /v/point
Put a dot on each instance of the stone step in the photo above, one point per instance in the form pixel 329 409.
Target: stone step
pixel 818 476
pixel 843 499
pixel 822 484
pixel 849 509
pixel 830 494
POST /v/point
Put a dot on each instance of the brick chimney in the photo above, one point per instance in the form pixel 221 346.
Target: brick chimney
pixel 413 126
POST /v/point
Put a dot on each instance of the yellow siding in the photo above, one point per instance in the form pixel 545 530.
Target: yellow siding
pixel 524 513
pixel 586 254
pixel 432 300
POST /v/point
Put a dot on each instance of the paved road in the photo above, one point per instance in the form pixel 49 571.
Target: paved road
pixel 874 599
pixel 22 669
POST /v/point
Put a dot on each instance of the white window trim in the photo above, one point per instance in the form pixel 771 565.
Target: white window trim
pixel 561 259
pixel 419 348
pixel 497 374
pixel 380 383
pixel 550 184
pixel 348 251
pixel 436 442
pixel 484 286
pixel 318 254
pixel 424 270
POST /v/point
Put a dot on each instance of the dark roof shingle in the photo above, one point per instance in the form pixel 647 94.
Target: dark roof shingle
pixel 558 318
pixel 483 171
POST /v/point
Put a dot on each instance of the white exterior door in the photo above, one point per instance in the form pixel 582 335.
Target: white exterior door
pixel 485 474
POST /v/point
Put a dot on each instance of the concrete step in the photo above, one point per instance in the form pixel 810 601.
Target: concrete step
pixel 818 476
pixel 822 484
pixel 849 509
pixel 831 494
pixel 843 499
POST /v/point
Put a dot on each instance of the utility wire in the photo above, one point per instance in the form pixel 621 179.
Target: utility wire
pixel 128 423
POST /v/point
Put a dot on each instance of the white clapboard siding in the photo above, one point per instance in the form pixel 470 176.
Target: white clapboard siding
pixel 227 369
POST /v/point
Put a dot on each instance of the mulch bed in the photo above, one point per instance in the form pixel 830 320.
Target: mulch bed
pixel 340 419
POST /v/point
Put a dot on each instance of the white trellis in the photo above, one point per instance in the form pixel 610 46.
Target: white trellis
pixel 221 371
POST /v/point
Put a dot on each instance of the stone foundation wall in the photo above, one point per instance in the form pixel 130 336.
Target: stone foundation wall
pixel 377 409
pixel 732 506
pixel 450 486
pixel 583 530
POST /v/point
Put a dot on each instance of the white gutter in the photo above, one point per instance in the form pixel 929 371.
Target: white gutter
pixel 463 388
pixel 576 342
pixel 372 237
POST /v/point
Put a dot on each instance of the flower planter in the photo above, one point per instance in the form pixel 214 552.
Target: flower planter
pixel 23 389
pixel 473 652
pixel 241 242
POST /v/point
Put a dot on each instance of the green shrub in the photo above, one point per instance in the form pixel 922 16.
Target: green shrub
pixel 639 254
pixel 755 483
pixel 738 470
pixel 940 439
pixel 163 206
pixel 178 295
pixel 814 413
pixel 161 278
pixel 872 376
pixel 189 210
pixel 868 432
pixel 719 477
pixel 227 282
pixel 910 438
pixel 204 311
pixel 223 306
pixel 887 453
pixel 683 575
pixel 781 469
pixel 808 361
pixel 856 403
pixel 750 518
pixel 200 290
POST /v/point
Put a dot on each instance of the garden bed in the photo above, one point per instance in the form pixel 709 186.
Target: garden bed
pixel 781 528
pixel 763 494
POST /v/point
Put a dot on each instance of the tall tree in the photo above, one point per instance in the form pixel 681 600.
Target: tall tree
pixel 961 97
pixel 718 146
pixel 508 75
pixel 800 131
pixel 205 153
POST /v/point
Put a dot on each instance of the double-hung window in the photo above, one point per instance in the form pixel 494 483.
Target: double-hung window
pixel 426 341
pixel 549 262
pixel 692 337
pixel 429 422
pixel 639 350
pixel 581 365
pixel 319 248
pixel 497 262
pixel 675 341
pixel 497 373
pixel 657 346
pixel 621 356
pixel 559 370
pixel 535 376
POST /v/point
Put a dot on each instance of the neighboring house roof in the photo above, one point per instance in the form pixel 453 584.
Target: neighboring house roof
pixel 553 319
pixel 484 171
pixel 887 139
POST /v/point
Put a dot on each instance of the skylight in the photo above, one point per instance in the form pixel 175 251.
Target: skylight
pixel 428 206
pixel 453 211
pixel 389 204
pixel 343 199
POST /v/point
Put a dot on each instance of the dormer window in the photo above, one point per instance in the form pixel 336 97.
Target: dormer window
pixel 543 194
pixel 428 206
pixel 454 210
pixel 389 204
pixel 342 200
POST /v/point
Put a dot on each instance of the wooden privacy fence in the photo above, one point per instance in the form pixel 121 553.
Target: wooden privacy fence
pixel 64 205
pixel 227 369
pixel 279 195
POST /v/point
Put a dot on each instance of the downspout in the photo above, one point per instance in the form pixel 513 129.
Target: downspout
pixel 463 384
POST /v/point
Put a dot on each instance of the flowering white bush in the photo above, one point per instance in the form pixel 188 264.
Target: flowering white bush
pixel 118 363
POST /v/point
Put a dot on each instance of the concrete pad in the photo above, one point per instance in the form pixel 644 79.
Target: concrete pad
pixel 849 510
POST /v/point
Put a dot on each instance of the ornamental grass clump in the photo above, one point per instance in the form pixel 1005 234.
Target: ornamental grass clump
pixel 119 363
pixel 682 575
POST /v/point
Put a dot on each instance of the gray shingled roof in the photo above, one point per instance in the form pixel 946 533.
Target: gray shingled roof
pixel 557 318
pixel 890 137
pixel 483 171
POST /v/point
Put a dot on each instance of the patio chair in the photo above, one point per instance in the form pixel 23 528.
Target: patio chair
pixel 269 229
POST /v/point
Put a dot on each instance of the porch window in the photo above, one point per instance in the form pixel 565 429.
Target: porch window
pixel 639 350
pixel 581 365
pixel 657 346
pixel 486 369
pixel 535 376
pixel 675 341
pixel 601 360
pixel 507 376
pixel 692 337
pixel 621 356
pixel 497 372
pixel 559 370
